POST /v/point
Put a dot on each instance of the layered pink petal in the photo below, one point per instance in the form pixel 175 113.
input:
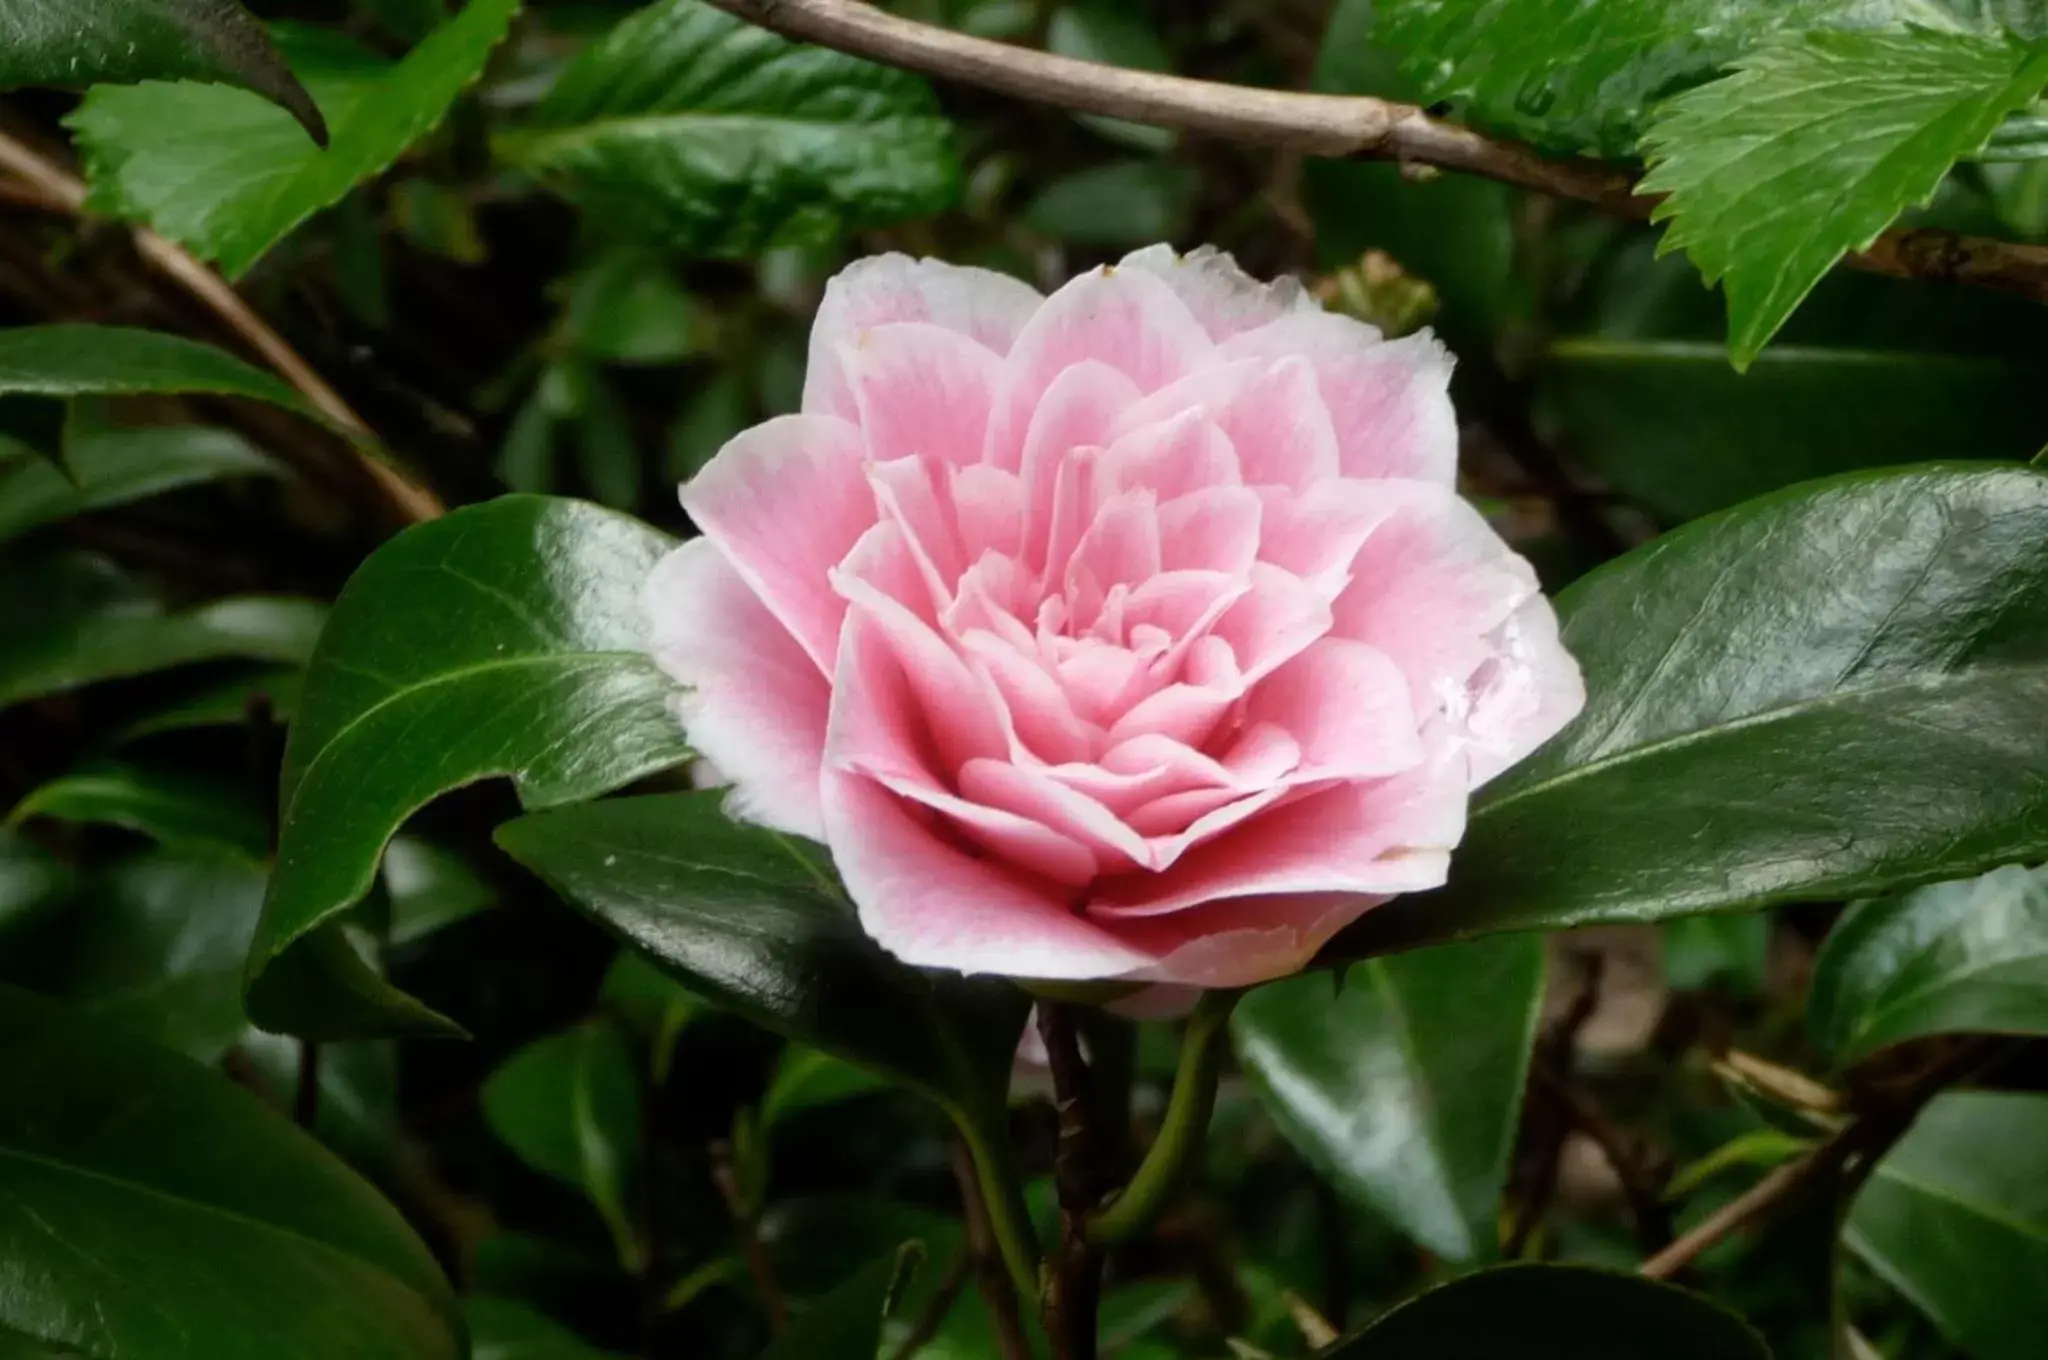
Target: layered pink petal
pixel 985 307
pixel 786 501
pixel 753 704
pixel 1224 298
pixel 1525 695
pixel 921 391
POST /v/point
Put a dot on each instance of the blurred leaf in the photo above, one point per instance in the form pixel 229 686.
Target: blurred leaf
pixel 1114 35
pixel 1944 959
pixel 1119 204
pixel 1574 77
pixel 439 220
pixel 750 921
pixel 1670 425
pixel 165 805
pixel 1404 1084
pixel 407 19
pixel 1522 1312
pixel 526 460
pixel 1956 1219
pixel 711 415
pixel 31 878
pixel 847 1323
pixel 1832 691
pixel 223 703
pixel 44 368
pixel 222 1232
pixel 74 619
pixel 430 888
pixel 569 1105
pixel 493 641
pixel 705 135
pixel 358 1114
pixel 1760 1149
pixel 107 468
pixel 806 1079
pixel 1699 950
pixel 1810 150
pixel 226 176
pixel 500 1329
pixel 76 43
pixel 605 448
pixel 651 1003
pixel 627 308
pixel 2020 195
pixel 162 954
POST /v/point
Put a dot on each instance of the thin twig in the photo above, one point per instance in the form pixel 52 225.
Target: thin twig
pixel 990 1275
pixel 1545 1122
pixel 1642 1185
pixel 61 190
pixel 725 1176
pixel 1323 125
pixel 1073 1291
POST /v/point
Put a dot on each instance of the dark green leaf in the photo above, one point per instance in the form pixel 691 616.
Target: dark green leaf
pixel 704 134
pixel 1554 1313
pixel 226 176
pixel 806 1079
pixel 1812 147
pixel 1114 35
pixel 1405 1086
pixel 84 42
pixel 74 619
pixel 500 1329
pixel 1123 203
pixel 650 1003
pixel 1947 958
pixel 170 1216
pixel 1832 691
pixel 429 888
pixel 1702 950
pixel 43 368
pixel 165 805
pixel 163 955
pixel 505 639
pixel 1956 1219
pixel 749 921
pixel 223 703
pixel 847 1323
pixel 1669 424
pixel 628 308
pixel 569 1105
pixel 107 468
pixel 30 877
pixel 358 1114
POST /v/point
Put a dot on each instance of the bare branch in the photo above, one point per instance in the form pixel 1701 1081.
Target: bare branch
pixel 1337 126
pixel 59 189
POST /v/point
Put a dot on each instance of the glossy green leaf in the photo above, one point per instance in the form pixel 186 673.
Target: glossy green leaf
pixel 1579 77
pixel 109 468
pixel 1670 425
pixel 221 703
pixel 1832 691
pixel 228 177
pixel 1545 1312
pixel 1813 146
pixel 1956 1219
pixel 1948 958
pixel 43 368
pixel 701 133
pixel 223 1234
pixel 569 1105
pixel 165 805
pixel 163 955
pixel 751 921
pixel 500 1329
pixel 505 639
pixel 847 1323
pixel 1403 1082
pixel 806 1079
pixel 85 42
pixel 74 619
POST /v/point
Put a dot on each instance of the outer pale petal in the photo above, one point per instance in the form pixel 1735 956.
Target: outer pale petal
pixel 1224 298
pixel 1388 399
pixel 786 501
pixel 984 306
pixel 756 706
pixel 922 390
pixel 1245 941
pixel 1533 689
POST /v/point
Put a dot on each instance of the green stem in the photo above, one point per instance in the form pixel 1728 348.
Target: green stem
pixel 1174 1152
pixel 1002 1194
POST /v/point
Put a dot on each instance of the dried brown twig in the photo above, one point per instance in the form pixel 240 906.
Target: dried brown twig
pixel 1340 126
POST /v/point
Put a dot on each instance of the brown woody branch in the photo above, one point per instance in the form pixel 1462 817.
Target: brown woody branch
pixel 1337 126
pixel 44 183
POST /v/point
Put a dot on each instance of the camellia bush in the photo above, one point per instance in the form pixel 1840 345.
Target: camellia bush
pixel 1031 679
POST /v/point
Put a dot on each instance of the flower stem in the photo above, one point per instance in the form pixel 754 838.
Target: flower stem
pixel 1002 1196
pixel 1179 1144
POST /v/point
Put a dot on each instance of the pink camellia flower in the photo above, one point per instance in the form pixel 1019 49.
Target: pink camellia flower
pixel 1134 632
